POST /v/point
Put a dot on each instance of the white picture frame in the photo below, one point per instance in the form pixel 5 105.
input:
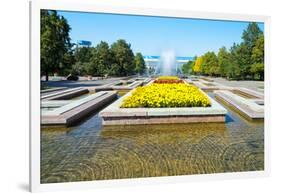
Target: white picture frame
pixel 36 6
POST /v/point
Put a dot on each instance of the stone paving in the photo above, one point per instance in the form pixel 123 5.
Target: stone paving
pixel 251 108
pixel 123 84
pixel 208 85
pixel 82 83
pixel 74 111
pixel 64 94
pixel 229 91
pixel 253 85
pixel 246 97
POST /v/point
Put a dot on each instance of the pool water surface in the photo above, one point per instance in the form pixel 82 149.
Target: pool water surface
pixel 90 151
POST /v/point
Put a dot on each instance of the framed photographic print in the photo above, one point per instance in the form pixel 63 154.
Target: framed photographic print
pixel 125 95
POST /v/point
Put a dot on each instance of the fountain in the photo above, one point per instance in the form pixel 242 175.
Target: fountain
pixel 167 63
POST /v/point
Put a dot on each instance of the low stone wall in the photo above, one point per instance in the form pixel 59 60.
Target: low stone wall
pixel 65 94
pixel 115 86
pixel 76 110
pixel 52 90
pixel 162 120
pixel 250 108
pixel 131 86
pixel 250 92
pixel 209 86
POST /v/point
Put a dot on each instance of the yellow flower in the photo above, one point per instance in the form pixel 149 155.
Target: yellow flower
pixel 166 95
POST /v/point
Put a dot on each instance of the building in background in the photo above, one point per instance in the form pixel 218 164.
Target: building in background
pixel 156 63
pixel 83 43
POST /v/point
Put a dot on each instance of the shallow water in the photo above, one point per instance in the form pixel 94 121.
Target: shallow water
pixel 91 152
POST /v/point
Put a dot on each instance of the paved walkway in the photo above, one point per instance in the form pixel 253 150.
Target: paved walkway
pixel 81 83
pixel 253 85
pixel 250 84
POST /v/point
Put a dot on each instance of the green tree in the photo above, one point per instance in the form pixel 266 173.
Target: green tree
pixel 242 56
pixel 68 61
pixel 83 54
pixel 101 59
pixel 90 66
pixel 82 57
pixel 210 64
pixel 258 50
pixel 251 34
pixel 78 68
pixel 257 67
pixel 187 67
pixel 243 61
pixel 115 70
pixel 139 63
pixel 55 42
pixel 223 61
pixel 233 70
pixel 123 58
pixel 258 70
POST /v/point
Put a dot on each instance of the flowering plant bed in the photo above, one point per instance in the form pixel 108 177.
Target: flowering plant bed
pixel 167 81
pixel 168 78
pixel 166 95
pixel 162 104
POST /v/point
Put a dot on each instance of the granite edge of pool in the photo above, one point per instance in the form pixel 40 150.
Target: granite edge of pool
pixel 114 115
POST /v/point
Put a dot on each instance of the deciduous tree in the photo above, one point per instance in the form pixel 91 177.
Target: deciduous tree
pixel 54 42
pixel 197 65
pixel 223 61
pixel 139 63
pixel 187 67
pixel 102 58
pixel 210 64
pixel 123 58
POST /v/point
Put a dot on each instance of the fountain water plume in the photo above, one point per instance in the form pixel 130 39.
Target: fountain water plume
pixel 167 62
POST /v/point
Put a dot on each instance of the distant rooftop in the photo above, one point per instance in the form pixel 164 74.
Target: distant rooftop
pixel 84 43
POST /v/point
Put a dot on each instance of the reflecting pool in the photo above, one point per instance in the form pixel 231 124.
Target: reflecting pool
pixel 89 151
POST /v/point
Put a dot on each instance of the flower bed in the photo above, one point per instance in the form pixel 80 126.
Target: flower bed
pixel 168 78
pixel 167 81
pixel 166 95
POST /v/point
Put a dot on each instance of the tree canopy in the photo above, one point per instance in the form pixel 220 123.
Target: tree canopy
pixel 55 43
pixel 123 58
pixel 187 67
pixel 197 67
pixel 139 63
pixel 242 61
pixel 251 34
pixel 223 61
pixel 210 64
pixel 59 56
pixel 101 59
pixel 115 60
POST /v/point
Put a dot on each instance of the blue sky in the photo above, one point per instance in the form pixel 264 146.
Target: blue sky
pixel 152 35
